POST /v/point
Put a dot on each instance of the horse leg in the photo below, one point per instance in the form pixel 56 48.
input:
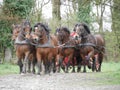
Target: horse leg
pixel 49 66
pixel 33 65
pixel 84 68
pixel 20 65
pixel 100 62
pixel 54 66
pixel 39 65
pixel 78 66
pixel 94 65
pixel 25 63
pixel 46 67
pixel 60 64
pixel 29 66
pixel 89 59
pixel 73 64
pixel 67 65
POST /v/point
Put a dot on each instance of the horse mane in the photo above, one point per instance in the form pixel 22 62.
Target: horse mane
pixel 25 23
pixel 66 29
pixel 44 26
pixel 86 27
pixel 75 27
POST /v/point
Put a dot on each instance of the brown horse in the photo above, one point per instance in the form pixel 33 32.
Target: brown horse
pixel 24 50
pixel 91 47
pixel 66 48
pixel 46 51
pixel 100 52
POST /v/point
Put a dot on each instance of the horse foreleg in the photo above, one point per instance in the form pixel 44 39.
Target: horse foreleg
pixel 20 65
pixel 33 65
pixel 39 65
pixel 73 65
pixel 94 65
pixel 54 66
pixel 67 66
pixel 60 64
pixel 25 63
pixel 100 62
pixel 84 68
pixel 78 66
pixel 29 66
pixel 90 59
pixel 79 63
pixel 49 66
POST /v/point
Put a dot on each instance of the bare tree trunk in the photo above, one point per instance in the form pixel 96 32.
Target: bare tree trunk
pixel 56 9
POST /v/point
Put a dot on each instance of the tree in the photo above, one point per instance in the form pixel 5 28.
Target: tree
pixel 20 8
pixel 56 9
pixel 116 20
pixel 12 11
pixel 36 14
pixel 56 15
pixel 84 9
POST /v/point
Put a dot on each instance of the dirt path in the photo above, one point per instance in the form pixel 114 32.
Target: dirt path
pixel 57 81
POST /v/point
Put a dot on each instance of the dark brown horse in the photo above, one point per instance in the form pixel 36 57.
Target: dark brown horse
pixel 24 50
pixel 67 48
pixel 46 50
pixel 91 47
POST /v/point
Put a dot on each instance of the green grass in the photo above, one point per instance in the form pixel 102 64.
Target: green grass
pixel 110 74
pixel 8 68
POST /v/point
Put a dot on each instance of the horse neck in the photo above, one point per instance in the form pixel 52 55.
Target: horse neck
pixel 66 39
pixel 21 36
pixel 44 39
pixel 89 38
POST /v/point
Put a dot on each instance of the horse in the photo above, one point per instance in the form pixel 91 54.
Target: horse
pixel 91 47
pixel 24 50
pixel 66 49
pixel 100 52
pixel 46 50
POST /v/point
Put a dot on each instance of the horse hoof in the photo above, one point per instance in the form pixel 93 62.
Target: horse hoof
pixel 54 71
pixel 22 73
pixel 89 67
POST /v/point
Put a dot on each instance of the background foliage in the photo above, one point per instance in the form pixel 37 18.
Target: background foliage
pixel 14 11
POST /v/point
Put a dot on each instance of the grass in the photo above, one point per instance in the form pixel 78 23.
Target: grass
pixel 110 74
pixel 8 68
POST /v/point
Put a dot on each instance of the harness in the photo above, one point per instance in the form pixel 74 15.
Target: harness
pixel 45 45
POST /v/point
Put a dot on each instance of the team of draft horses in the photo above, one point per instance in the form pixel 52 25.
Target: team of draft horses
pixel 38 47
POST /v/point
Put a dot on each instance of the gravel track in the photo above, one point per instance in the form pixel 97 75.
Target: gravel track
pixel 57 81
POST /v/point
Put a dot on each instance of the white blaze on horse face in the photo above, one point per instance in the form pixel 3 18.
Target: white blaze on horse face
pixel 36 28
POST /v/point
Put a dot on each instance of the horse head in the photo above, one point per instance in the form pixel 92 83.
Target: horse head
pixel 62 34
pixel 27 27
pixel 41 32
pixel 82 29
pixel 16 29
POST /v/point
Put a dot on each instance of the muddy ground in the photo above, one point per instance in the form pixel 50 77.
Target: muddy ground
pixel 57 81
